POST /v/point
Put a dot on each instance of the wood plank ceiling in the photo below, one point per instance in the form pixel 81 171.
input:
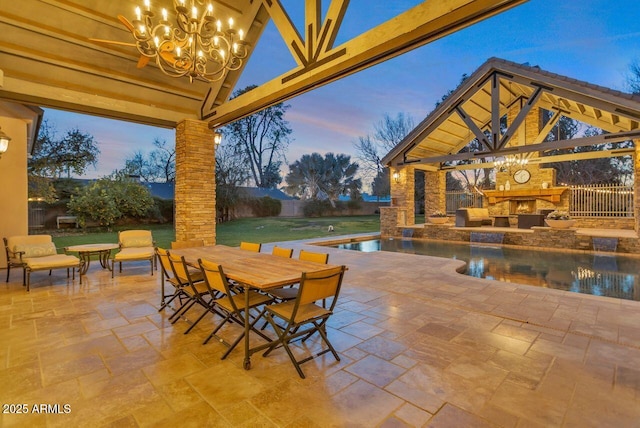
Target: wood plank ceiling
pixel 48 60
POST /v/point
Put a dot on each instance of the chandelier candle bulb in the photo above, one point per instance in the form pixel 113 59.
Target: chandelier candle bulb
pixel 164 14
pixel 138 13
pixel 230 23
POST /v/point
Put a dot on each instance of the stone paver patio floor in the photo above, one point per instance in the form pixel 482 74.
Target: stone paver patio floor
pixel 420 345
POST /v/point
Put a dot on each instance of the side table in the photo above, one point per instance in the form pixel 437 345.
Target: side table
pixel 85 251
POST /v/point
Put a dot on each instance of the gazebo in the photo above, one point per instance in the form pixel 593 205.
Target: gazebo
pixel 511 109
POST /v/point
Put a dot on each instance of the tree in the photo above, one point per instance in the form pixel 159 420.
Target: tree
pixel 231 172
pixel 387 134
pixel 110 198
pixel 261 139
pixel 159 166
pixel 603 170
pixel 315 177
pixel 71 155
pixel 633 78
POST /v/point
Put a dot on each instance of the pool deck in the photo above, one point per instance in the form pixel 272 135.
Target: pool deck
pixel 420 345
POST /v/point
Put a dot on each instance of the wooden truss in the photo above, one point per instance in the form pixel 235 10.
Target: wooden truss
pixel 319 62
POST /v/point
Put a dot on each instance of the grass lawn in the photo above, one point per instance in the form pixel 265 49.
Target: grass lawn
pixel 261 230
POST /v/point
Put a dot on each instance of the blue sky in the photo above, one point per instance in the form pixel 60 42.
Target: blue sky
pixel 590 40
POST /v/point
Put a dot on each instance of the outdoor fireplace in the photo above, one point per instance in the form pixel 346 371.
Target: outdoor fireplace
pixel 527 206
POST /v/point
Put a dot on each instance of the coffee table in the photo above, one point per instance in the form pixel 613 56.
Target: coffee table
pixel 86 250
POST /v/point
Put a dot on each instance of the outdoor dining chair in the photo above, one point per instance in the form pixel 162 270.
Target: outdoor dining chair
pixel 290 293
pixel 282 252
pixel 250 246
pixel 177 283
pixel 303 317
pixel 232 305
pixel 194 291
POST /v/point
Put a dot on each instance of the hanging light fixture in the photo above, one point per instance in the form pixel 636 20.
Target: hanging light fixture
pixel 4 142
pixel 198 45
pixel 511 161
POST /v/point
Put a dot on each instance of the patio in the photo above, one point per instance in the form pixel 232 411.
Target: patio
pixel 420 346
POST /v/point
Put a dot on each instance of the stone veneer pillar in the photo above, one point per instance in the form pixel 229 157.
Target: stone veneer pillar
pixel 435 188
pixel 636 185
pixel 403 194
pixel 195 189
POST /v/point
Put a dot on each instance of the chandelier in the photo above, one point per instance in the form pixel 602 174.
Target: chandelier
pixel 508 162
pixel 196 45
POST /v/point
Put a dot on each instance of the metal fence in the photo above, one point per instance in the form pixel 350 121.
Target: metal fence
pixel 462 199
pixel 606 200
pixel 36 215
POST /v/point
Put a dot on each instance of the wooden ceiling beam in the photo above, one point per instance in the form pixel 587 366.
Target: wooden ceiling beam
pixel 549 145
pixel 418 26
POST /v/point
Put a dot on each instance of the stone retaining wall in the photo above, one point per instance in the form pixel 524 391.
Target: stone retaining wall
pixel 539 237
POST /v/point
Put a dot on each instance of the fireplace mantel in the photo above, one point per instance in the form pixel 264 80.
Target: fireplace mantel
pixel 551 194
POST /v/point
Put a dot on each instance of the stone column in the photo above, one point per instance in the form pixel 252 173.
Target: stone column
pixel 435 188
pixel 403 193
pixel 195 189
pixel 636 185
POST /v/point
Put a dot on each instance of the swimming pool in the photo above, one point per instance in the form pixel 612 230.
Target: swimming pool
pixel 598 274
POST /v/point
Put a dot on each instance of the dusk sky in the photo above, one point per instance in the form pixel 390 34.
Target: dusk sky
pixel 590 40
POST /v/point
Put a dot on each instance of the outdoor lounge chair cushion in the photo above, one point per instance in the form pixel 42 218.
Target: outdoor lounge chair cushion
pixel 136 238
pixel 52 262
pixel 35 250
pixel 135 253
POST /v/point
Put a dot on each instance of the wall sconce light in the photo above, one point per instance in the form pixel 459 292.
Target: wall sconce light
pixel 4 142
pixel 396 177
pixel 217 138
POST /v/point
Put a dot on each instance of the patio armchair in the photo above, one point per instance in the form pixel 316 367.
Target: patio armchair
pixel 37 252
pixel 135 245
pixel 302 317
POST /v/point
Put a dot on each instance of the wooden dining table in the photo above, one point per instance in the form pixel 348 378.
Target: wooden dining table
pixel 252 270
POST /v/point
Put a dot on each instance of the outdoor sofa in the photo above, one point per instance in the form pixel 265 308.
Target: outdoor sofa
pixel 473 217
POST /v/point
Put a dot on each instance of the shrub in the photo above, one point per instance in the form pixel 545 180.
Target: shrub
pixel 265 207
pixel 316 208
pixel 110 198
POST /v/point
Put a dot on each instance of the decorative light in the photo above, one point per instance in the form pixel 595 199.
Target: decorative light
pixel 4 142
pixel 396 177
pixel 197 47
pixel 511 161
pixel 217 138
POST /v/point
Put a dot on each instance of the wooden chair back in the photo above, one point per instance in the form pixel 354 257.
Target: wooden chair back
pixel 312 256
pixel 250 246
pixel 282 252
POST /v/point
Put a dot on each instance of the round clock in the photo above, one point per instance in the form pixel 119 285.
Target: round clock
pixel 521 176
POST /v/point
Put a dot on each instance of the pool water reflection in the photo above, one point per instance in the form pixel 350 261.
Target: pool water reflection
pixel 598 274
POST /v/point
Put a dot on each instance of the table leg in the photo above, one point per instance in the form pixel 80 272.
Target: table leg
pixel 85 261
pixel 247 355
pixel 104 259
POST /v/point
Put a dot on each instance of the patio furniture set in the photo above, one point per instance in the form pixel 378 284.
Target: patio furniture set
pixel 38 252
pixel 475 217
pixel 244 286
pixel 295 297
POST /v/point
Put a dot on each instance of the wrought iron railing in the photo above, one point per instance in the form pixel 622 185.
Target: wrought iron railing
pixel 605 200
pixel 462 199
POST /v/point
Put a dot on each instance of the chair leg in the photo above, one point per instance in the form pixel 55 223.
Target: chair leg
pixel 8 271
pixel 28 279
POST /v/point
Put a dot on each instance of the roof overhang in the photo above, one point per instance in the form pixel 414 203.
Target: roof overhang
pixel 476 106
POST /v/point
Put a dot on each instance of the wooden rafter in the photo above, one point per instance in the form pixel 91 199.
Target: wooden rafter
pixel 549 145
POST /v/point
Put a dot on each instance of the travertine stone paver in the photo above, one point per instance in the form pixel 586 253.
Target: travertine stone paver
pixel 420 345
